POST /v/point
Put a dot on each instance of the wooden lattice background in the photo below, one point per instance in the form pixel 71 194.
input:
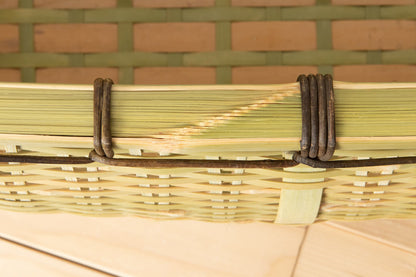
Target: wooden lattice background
pixel 206 41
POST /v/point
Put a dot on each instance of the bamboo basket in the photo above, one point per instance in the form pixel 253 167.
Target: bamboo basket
pixel 236 122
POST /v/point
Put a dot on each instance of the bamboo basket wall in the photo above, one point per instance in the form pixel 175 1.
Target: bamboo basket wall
pixel 207 42
pixel 208 122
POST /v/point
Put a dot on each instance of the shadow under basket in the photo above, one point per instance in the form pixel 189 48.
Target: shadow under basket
pixel 210 123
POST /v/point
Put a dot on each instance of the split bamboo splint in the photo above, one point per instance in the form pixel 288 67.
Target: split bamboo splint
pixel 240 122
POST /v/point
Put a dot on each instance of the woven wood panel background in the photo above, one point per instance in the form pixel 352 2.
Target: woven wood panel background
pixel 206 41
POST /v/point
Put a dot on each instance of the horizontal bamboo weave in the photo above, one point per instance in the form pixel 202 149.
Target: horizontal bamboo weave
pixel 208 194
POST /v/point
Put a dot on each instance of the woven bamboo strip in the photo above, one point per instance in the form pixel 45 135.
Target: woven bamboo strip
pixel 218 58
pixel 202 14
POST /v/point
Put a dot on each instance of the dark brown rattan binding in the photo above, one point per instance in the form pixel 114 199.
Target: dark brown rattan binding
pixel 318 127
pixel 102 118
pixel 317 144
pixel 318 117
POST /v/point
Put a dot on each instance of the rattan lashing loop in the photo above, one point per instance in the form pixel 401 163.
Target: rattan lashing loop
pixel 102 118
pixel 318 117
pixel 318 127
pixel 317 144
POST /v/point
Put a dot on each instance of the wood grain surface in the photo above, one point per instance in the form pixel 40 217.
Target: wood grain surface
pixel 17 260
pixel 128 246
pixel 65 244
pixel 396 233
pixel 327 251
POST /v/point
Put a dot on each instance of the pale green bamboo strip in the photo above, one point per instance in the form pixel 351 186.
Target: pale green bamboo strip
pixel 192 197
pixel 382 115
pixel 159 111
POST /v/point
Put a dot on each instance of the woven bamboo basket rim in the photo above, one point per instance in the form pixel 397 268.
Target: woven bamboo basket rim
pixel 212 194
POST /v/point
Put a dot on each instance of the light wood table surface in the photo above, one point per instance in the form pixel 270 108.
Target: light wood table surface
pixel 72 245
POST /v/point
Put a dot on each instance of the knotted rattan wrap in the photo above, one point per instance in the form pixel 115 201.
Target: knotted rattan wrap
pixel 206 194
